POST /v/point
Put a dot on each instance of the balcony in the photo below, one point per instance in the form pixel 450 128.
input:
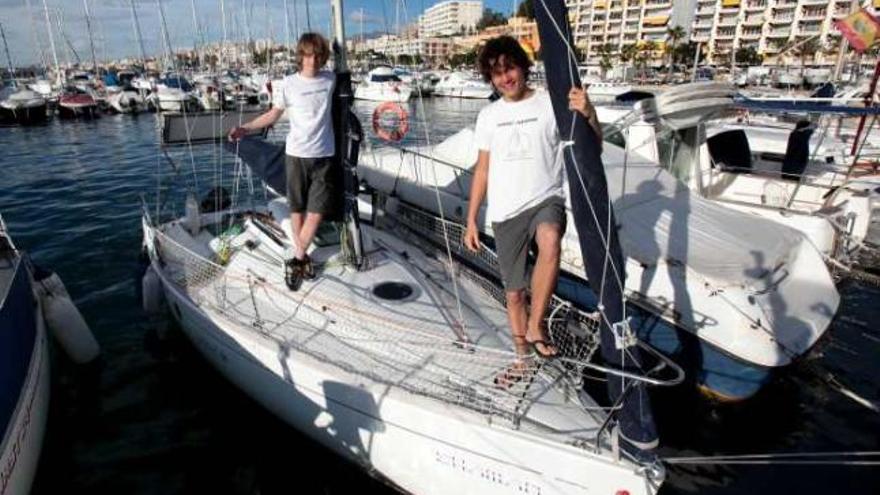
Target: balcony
pixel 756 20
pixel 782 19
pixel 814 2
pixel 725 35
pixel 779 33
pixel 750 35
pixel 756 6
pixel 727 21
pixel 813 14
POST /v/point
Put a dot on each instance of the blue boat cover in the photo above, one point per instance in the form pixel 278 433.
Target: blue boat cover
pixel 18 330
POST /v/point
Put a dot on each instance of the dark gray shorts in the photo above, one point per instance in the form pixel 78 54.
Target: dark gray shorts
pixel 313 184
pixel 514 236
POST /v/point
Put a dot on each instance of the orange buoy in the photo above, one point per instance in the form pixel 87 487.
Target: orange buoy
pixel 395 133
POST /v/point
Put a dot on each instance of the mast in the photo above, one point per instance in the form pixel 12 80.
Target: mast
pixel 91 38
pixel 8 57
pixel 34 40
pixel 137 32
pixel 223 22
pixel 348 134
pixel 596 225
pixel 52 42
pixel 197 33
pixel 287 30
pixel 168 49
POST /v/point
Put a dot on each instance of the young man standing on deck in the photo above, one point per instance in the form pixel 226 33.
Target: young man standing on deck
pixel 313 183
pixel 520 166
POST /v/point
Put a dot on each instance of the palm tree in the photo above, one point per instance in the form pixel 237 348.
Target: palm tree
pixel 605 51
pixel 628 53
pixel 674 33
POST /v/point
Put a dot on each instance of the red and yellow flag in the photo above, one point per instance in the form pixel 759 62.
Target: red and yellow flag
pixel 860 29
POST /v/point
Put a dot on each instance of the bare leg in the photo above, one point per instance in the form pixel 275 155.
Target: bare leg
pixel 516 312
pixel 308 229
pixel 544 276
pixel 296 223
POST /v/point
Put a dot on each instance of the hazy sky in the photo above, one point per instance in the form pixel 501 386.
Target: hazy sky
pixel 113 31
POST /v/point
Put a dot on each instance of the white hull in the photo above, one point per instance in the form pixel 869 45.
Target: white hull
pixel 20 449
pixel 452 92
pixel 383 92
pixel 418 442
pixel 126 102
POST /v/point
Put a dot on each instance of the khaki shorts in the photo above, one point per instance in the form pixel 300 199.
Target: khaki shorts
pixel 313 184
pixel 514 236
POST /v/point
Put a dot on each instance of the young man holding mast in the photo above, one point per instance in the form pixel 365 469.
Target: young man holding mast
pixel 313 181
pixel 520 168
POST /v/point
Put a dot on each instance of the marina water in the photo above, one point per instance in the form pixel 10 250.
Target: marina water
pixel 156 418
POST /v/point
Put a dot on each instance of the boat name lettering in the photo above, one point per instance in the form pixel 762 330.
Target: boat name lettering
pixel 21 435
pixel 489 474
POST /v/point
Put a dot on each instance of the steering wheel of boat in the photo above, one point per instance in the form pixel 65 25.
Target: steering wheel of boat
pixel 398 114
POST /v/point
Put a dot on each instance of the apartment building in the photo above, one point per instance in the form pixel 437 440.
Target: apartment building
pixel 769 27
pixel 432 50
pixel 626 22
pixel 450 17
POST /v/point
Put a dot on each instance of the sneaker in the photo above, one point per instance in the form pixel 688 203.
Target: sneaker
pixel 308 268
pixel 293 273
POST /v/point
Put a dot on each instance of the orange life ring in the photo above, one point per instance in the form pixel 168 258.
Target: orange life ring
pixel 391 134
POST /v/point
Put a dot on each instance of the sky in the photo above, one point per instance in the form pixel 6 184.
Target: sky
pixel 113 32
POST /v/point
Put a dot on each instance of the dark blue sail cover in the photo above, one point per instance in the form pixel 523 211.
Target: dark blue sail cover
pixel 265 159
pixel 593 215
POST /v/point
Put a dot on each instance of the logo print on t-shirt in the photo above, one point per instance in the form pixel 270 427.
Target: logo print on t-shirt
pixel 518 145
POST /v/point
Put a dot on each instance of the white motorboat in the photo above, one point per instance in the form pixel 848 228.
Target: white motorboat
pixel 381 84
pixel 125 100
pixel 174 94
pixel 462 85
pixel 703 268
pixel 24 107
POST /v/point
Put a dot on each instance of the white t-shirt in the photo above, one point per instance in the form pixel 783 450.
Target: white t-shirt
pixel 308 101
pixel 525 160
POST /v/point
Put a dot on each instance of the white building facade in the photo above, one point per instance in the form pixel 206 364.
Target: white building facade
pixel 626 22
pixel 769 27
pixel 450 17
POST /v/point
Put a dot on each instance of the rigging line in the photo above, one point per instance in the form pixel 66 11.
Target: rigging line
pixel 572 56
pixel 308 16
pixel 192 157
pixel 449 265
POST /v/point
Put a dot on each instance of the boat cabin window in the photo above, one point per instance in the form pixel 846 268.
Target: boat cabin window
pixel 385 78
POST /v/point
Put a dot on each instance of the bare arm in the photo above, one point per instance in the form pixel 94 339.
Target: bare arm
pixel 479 185
pixel 265 120
pixel 579 101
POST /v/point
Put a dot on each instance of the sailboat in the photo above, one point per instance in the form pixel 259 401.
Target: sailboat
pixel 392 356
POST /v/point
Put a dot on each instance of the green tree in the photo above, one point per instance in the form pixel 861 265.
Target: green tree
pixel 526 9
pixel 605 51
pixel 748 56
pixel 463 59
pixel 675 34
pixel 490 18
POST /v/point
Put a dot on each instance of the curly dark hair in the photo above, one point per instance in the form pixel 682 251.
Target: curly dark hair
pixel 490 56
pixel 317 44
